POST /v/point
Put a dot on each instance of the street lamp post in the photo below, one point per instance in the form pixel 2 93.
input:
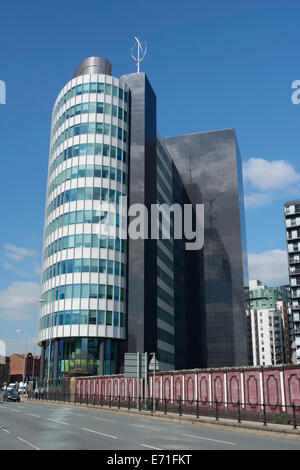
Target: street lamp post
pixel 24 368
pixel 41 301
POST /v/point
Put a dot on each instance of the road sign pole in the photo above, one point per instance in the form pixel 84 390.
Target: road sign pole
pixel 153 393
pixel 146 379
pixel 138 381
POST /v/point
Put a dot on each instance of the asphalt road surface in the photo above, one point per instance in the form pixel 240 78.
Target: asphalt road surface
pixel 41 426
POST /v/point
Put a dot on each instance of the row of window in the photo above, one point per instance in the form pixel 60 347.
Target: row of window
pixel 84 265
pixel 165 356
pixel 167 174
pixel 84 194
pixel 81 150
pixel 165 259
pixel 84 240
pixel 165 277
pixel 163 295
pixel 91 107
pixel 82 217
pixel 84 291
pixel 89 128
pixel 88 171
pixel 162 185
pixel 165 316
pixel 92 87
pixel 165 336
pixel 82 317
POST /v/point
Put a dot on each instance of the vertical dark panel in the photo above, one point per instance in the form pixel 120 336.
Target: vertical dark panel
pixel 142 290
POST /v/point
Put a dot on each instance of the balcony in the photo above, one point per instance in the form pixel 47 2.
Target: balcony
pixel 291 210
pixel 294 259
pixel 293 236
pixel 294 271
pixel 290 223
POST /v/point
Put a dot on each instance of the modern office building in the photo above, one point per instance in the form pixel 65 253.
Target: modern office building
pixel 105 294
pixel 292 227
pixel 211 162
pixel 270 323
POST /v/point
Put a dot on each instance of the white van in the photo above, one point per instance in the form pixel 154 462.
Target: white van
pixel 11 387
pixel 22 388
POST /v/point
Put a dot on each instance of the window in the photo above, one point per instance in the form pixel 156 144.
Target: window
pixel 75 317
pixel 109 294
pixel 93 291
pixel 67 317
pixel 92 317
pixel 109 317
pixel 83 317
pixel 101 314
pixel 76 291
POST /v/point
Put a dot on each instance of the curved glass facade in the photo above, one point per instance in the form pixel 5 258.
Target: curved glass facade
pixel 83 308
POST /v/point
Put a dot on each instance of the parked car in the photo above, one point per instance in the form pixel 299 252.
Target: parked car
pixel 11 395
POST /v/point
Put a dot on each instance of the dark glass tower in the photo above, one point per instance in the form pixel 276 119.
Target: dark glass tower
pixel 211 161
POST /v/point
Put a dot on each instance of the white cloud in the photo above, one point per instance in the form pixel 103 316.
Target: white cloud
pixel 270 267
pixel 268 176
pixel 18 253
pixel 19 301
pixel 17 271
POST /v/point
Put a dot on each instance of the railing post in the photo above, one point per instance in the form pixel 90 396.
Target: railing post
pixel 217 410
pixel 152 405
pixel 265 416
pixel 197 408
pixel 239 411
pixel 109 403
pixel 139 403
pixel 94 399
pixel 129 402
pixel 101 399
pixel 119 402
pixel 165 405
pixel 294 416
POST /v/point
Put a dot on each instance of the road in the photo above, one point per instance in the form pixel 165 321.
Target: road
pixel 42 426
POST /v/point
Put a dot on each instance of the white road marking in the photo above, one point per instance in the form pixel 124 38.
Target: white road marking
pixel 28 443
pixel 150 447
pixel 104 419
pixel 31 414
pixel 145 427
pixel 207 439
pixel 5 430
pixel 101 433
pixel 56 421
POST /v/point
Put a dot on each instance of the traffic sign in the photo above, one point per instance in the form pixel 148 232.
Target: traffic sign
pixel 135 365
pixel 151 364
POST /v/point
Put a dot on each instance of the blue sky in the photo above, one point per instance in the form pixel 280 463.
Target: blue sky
pixel 212 64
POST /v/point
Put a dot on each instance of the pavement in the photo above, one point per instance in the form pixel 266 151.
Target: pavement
pixel 35 425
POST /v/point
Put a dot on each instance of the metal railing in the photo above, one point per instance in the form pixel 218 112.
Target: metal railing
pixel 257 412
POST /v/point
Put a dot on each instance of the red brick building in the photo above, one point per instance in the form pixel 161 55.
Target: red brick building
pixel 17 367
